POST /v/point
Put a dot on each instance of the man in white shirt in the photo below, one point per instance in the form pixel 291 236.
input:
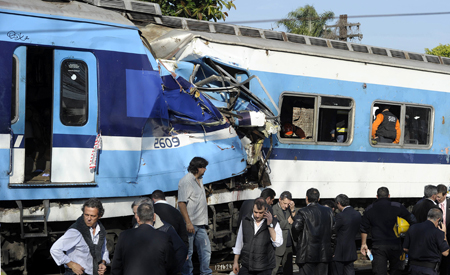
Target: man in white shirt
pixel 256 241
pixel 82 249
pixel 443 203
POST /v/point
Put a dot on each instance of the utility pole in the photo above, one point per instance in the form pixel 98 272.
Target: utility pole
pixel 344 28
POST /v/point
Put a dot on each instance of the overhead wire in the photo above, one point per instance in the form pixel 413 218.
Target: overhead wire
pixel 337 17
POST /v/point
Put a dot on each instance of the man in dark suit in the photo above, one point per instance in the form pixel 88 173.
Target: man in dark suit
pixel 313 228
pixel 444 205
pixel 284 211
pixel 347 226
pixel 420 210
pixel 143 250
pixel 170 214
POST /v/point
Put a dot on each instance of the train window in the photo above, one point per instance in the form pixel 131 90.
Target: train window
pixel 74 93
pixel 401 124
pixel 15 91
pixel 417 125
pixel 315 118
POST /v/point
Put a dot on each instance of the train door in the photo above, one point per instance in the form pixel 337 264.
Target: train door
pixel 31 114
pixel 18 115
pixel 53 115
pixel 74 116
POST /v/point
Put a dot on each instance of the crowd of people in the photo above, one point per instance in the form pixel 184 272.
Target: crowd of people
pixel 162 238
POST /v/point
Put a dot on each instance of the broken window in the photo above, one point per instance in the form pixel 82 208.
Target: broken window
pixel 315 118
pixel 414 125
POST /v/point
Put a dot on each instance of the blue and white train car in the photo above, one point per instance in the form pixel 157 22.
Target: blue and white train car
pixel 86 111
pixel 95 105
pixel 329 89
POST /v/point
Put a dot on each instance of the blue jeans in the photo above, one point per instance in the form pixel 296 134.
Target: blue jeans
pixel 201 240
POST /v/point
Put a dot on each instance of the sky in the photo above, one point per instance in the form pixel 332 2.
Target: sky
pixel 408 33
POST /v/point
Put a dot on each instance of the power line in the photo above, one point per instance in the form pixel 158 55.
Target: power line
pixel 350 16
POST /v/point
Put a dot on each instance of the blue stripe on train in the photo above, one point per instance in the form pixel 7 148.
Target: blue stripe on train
pixel 74 141
pixel 352 156
pixel 158 169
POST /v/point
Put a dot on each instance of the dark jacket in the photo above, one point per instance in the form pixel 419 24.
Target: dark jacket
pixel 347 226
pixel 141 251
pixel 425 242
pixel 380 218
pixel 173 216
pixel 312 228
pixel 180 249
pixel 420 210
pixel 387 127
pixel 257 253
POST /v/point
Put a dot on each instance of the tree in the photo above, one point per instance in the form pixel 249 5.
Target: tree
pixel 195 9
pixel 441 50
pixel 306 21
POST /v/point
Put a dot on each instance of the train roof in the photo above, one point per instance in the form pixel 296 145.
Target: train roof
pixel 72 9
pixel 168 34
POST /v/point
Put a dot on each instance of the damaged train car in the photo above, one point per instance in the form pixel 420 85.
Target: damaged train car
pixel 110 99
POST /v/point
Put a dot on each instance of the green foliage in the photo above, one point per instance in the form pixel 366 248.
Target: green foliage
pixel 195 9
pixel 441 50
pixel 306 21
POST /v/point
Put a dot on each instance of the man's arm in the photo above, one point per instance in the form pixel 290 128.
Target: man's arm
pixel 443 244
pixel 67 241
pixel 105 259
pixel 297 226
pixel 364 228
pixel 364 247
pixel 376 123
pixel 273 234
pixel 278 241
pixel 236 264
pixel 237 249
pixel 183 210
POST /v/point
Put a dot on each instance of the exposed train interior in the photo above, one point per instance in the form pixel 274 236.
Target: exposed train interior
pixel 38 121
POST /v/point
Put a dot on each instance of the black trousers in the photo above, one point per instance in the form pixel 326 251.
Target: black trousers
pixel 313 268
pixel 244 271
pixel 342 268
pixel 444 267
pixel 420 270
pixel 286 262
pixel 384 253
pixel 70 272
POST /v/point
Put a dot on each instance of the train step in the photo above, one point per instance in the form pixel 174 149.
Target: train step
pixel 28 219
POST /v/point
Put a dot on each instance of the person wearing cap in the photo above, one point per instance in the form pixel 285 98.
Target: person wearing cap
pixel 288 130
pixel 386 128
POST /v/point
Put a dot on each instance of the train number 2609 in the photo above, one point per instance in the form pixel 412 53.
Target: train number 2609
pixel 161 143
